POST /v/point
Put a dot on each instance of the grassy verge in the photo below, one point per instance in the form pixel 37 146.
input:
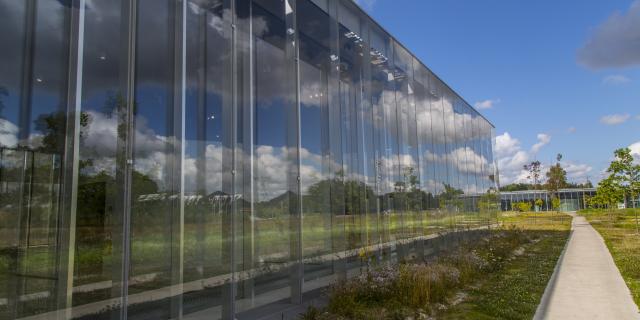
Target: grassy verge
pixel 618 228
pixel 515 291
pixel 501 276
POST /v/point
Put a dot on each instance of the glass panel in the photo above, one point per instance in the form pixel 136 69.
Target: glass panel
pixel 426 150
pixel 384 72
pixel 264 235
pixel 451 189
pixel 154 153
pixel 440 156
pixel 315 63
pixel 98 252
pixel 460 158
pixel 351 46
pixel 472 160
pixel 495 179
pixel 408 187
pixel 486 141
pixel 206 205
pixel 33 117
pixel 382 98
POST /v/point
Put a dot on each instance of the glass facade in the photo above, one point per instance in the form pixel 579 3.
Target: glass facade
pixel 218 158
pixel 570 199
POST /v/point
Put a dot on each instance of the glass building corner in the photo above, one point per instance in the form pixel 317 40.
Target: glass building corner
pixel 217 158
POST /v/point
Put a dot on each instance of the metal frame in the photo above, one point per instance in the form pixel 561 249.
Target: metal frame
pixel 293 141
pixel 124 161
pixel 69 183
pixel 176 162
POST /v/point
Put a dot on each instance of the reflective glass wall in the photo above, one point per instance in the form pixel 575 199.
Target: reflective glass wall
pixel 219 158
pixel 570 199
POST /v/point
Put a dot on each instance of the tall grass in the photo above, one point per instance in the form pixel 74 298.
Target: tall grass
pixel 419 288
pixel 423 289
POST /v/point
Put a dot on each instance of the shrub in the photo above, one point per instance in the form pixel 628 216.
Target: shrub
pixel 411 289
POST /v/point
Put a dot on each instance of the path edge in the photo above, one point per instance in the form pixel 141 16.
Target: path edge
pixel 541 310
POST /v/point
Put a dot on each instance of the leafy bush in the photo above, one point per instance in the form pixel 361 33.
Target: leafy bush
pixel 523 206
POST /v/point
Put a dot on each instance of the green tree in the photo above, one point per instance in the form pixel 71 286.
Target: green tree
pixel 556 177
pixel 555 203
pixel 53 128
pixel 587 201
pixel 608 194
pixel 533 170
pixel 524 206
pixel 539 203
pixel 516 187
pixel 626 175
pixel 594 202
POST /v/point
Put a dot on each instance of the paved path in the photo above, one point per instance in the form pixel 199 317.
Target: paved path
pixel 586 283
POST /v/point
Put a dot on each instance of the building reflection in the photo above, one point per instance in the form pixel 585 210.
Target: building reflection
pixel 219 158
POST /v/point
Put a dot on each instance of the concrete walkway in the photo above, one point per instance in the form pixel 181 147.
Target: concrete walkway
pixel 586 283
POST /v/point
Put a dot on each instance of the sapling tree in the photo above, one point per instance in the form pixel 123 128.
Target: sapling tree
pixel 555 203
pixel 556 177
pixel 533 173
pixel 608 194
pixel 625 173
pixel 539 203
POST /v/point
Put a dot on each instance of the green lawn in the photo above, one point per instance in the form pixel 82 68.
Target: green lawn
pixel 515 291
pixel 618 228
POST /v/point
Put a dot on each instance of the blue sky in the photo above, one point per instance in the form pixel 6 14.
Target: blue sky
pixel 552 76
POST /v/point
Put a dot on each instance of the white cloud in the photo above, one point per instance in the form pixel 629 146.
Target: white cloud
pixel 543 140
pixel 512 157
pixel 615 79
pixel 571 129
pixel 576 171
pixel 638 117
pixel 8 133
pixel 615 43
pixel 469 161
pixel 506 145
pixel 614 119
pixel 486 104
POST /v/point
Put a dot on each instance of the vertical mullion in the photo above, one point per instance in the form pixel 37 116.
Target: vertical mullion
pixel 17 281
pixel 397 156
pixel 293 152
pixel 358 147
pixel 201 147
pixel 335 144
pixel 368 140
pixel 246 58
pixel 69 185
pixel 26 89
pixel 229 115
pixel 417 150
pixel 124 161
pixel 177 161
